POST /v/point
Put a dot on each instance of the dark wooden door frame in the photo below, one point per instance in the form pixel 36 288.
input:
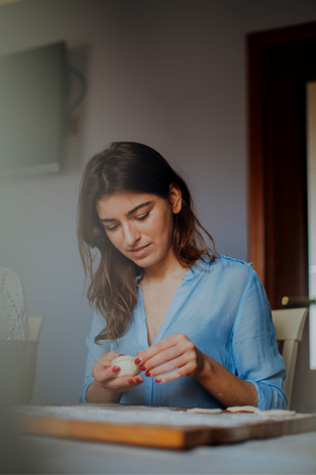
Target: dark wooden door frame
pixel 277 191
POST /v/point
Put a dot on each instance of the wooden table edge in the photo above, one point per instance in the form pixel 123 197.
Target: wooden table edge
pixel 160 436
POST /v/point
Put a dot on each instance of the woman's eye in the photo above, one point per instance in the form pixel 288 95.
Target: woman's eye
pixel 111 228
pixel 142 217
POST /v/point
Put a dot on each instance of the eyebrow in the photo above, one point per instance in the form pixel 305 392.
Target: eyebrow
pixel 142 205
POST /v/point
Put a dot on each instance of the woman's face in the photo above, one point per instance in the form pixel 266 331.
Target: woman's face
pixel 140 225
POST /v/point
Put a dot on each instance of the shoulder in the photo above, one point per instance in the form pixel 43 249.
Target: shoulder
pixel 226 265
pixel 237 270
pixel 227 271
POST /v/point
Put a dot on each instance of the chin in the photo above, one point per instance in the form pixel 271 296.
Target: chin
pixel 145 262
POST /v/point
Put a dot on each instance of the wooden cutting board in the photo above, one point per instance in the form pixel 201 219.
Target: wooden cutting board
pixel 44 423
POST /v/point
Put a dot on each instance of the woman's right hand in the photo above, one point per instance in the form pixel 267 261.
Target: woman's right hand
pixel 108 385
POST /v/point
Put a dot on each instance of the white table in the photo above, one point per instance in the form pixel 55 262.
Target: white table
pixel 293 454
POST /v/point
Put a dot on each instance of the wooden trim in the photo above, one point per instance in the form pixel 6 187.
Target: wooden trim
pixel 287 34
pixel 256 207
pixel 259 209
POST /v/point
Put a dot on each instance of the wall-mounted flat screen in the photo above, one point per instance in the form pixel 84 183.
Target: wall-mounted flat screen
pixel 33 94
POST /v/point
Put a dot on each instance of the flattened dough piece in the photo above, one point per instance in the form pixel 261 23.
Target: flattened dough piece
pixel 126 365
pixel 278 413
pixel 252 409
pixel 266 413
pixel 203 410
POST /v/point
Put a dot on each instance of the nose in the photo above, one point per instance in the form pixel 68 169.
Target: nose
pixel 131 234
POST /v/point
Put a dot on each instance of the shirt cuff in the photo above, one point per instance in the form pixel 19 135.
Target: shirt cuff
pixel 83 393
pixel 269 397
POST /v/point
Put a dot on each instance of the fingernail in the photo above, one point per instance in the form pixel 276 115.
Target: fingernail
pixel 122 354
pixel 158 380
pixel 142 367
pixel 115 369
pixel 139 380
pixel 147 373
pixel 131 381
pixel 137 360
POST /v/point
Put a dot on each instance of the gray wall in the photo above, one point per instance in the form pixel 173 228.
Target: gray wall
pixel 167 73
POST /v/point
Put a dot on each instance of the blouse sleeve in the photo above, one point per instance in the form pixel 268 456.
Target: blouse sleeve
pixel 95 351
pixel 255 351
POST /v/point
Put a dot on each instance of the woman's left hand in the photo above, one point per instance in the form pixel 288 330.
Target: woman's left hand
pixel 176 355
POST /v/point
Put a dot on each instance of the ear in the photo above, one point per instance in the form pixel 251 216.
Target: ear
pixel 175 198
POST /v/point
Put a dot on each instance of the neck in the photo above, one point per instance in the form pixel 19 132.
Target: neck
pixel 168 269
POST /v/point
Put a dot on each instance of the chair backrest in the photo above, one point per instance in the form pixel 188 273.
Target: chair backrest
pixel 13 314
pixel 34 327
pixel 289 325
pixel 18 361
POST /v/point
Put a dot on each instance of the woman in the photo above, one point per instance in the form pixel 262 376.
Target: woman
pixel 199 325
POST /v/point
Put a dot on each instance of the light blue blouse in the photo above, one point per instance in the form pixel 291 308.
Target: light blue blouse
pixel 223 309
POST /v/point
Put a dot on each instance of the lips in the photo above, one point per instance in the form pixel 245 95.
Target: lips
pixel 138 248
pixel 138 251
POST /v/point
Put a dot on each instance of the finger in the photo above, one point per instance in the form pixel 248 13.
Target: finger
pixel 107 373
pixel 103 374
pixel 184 347
pixel 168 366
pixel 169 342
pixel 163 357
pixel 107 358
pixel 144 355
pixel 102 369
pixel 173 375
pixel 135 380
pixel 124 383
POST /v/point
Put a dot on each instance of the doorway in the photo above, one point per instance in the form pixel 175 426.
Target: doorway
pixel 311 208
pixel 280 63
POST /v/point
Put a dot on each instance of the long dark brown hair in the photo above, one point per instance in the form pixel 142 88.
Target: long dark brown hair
pixel 129 166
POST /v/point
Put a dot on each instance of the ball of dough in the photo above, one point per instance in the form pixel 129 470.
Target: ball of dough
pixel 126 365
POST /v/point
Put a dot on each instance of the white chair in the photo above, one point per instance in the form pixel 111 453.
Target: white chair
pixel 34 327
pixel 289 325
pixel 18 359
pixel 19 336
pixel 13 313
